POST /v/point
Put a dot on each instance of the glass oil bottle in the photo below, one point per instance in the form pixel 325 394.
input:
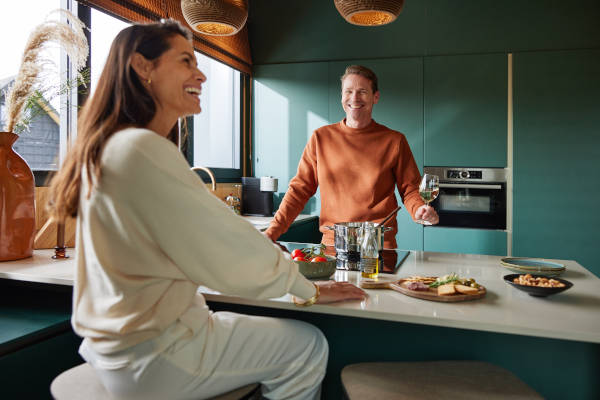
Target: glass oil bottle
pixel 369 253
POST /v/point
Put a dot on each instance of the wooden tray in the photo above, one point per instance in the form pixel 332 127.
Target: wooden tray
pixel 379 283
pixel 432 295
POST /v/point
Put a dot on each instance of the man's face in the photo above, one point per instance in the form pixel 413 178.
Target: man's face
pixel 358 98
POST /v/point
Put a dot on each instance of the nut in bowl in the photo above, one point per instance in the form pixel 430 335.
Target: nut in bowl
pixel 537 285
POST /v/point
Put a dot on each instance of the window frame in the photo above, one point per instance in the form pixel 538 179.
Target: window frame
pixel 68 117
pixel 225 175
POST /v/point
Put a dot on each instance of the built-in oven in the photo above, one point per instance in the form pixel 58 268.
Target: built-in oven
pixel 471 197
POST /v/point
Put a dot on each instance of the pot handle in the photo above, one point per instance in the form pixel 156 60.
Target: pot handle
pixel 387 228
pixel 331 228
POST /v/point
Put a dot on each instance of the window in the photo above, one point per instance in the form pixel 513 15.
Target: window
pixel 39 144
pixel 215 135
pixel 217 128
pixel 104 30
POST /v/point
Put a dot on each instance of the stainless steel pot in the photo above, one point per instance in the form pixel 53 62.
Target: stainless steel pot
pixel 347 236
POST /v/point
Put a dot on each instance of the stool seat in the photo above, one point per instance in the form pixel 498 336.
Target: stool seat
pixel 433 380
pixel 81 382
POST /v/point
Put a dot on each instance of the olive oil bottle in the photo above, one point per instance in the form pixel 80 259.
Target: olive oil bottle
pixel 369 252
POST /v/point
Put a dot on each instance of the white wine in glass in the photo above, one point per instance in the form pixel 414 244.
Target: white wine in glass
pixel 429 190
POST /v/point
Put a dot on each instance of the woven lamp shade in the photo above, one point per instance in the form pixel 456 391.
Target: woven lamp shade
pixel 215 17
pixel 369 12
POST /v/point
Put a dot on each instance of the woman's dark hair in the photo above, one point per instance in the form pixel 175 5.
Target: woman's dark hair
pixel 120 100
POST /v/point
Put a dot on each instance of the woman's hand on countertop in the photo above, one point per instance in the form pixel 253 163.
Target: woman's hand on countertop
pixel 331 291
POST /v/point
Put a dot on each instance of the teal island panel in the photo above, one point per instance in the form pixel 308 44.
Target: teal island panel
pixel 463 240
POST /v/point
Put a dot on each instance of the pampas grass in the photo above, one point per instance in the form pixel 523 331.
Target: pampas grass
pixel 70 37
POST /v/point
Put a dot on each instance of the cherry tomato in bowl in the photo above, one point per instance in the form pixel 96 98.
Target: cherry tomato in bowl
pixel 297 253
pixel 318 259
pixel 299 259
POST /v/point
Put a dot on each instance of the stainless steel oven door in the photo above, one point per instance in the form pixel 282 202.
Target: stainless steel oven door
pixel 472 205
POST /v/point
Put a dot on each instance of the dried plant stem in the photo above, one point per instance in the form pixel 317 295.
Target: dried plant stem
pixel 70 37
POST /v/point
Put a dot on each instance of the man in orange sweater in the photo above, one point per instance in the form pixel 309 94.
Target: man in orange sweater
pixel 357 163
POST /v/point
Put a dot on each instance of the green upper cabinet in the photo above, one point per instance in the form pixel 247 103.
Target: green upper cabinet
pixel 399 108
pixel 557 155
pixel 465 109
pixel 289 103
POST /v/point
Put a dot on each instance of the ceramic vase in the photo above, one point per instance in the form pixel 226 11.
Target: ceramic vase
pixel 17 205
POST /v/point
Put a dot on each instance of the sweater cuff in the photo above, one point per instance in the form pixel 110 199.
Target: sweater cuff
pixel 273 232
pixel 302 287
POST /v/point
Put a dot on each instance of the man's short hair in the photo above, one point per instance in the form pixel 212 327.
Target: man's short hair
pixel 362 71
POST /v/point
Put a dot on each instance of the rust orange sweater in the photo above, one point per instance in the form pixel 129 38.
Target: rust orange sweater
pixel 356 170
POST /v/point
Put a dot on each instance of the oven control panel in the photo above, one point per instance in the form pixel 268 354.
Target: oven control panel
pixel 467 174
pixel 462 174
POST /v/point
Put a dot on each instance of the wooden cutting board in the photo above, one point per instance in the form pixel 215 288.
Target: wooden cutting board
pixel 432 295
pixel 379 283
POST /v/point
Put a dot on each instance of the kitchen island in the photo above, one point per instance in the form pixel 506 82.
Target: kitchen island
pixel 551 343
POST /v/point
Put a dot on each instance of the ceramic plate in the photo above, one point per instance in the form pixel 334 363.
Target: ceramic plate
pixel 537 291
pixel 532 265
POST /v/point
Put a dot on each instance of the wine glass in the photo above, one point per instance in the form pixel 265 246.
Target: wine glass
pixel 429 190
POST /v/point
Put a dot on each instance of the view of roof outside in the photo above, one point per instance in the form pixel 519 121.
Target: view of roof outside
pixel 216 129
pixel 39 146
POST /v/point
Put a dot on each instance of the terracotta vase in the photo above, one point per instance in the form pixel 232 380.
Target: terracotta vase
pixel 17 206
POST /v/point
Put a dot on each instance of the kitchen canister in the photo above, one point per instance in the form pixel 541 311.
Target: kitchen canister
pixel 268 184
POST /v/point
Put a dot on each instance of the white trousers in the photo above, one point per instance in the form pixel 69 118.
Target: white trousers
pixel 288 357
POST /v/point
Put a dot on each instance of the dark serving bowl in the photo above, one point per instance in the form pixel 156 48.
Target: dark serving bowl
pixel 538 291
pixel 316 270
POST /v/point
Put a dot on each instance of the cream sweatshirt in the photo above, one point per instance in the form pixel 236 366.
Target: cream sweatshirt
pixel 149 235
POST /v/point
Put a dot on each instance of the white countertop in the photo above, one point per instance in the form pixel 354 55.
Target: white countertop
pixel 571 315
pixel 262 223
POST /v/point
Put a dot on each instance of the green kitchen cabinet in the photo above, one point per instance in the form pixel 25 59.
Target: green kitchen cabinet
pixel 463 240
pixel 289 103
pixel 465 110
pixel 556 155
pixel 400 107
pixel 37 342
pixel 305 231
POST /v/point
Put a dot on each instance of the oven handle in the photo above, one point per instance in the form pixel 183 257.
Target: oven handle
pixel 469 186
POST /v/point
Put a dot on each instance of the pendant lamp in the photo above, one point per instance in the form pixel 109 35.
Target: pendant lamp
pixel 369 12
pixel 215 17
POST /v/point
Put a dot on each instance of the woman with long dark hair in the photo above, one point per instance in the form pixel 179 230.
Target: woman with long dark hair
pixel 149 233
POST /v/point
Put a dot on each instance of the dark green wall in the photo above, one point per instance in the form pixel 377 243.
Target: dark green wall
pixel 313 30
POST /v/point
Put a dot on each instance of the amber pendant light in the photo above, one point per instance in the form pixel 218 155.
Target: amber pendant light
pixel 215 17
pixel 369 12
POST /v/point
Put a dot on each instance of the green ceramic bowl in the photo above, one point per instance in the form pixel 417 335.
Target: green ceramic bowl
pixel 314 270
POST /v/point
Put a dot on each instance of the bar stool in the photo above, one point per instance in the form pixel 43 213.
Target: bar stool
pixel 81 382
pixel 433 380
